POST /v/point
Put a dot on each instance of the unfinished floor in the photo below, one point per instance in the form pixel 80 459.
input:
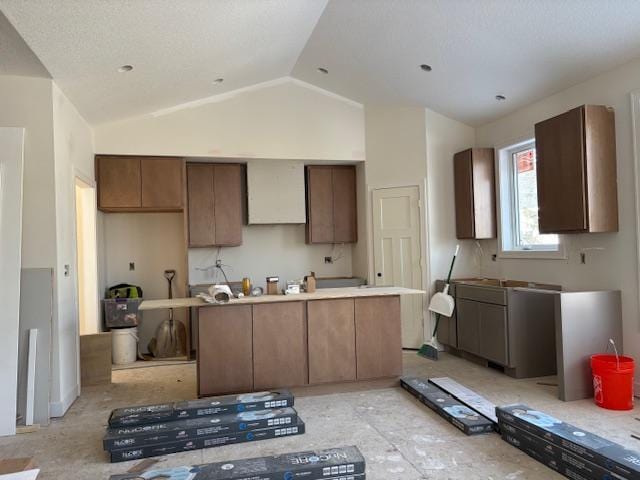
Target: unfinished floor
pixel 400 438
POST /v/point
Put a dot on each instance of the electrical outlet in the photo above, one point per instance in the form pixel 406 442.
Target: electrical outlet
pixel 494 257
pixel 328 259
pixel 132 266
pixel 218 263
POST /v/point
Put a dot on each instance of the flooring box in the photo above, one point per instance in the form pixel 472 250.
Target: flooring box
pixel 590 447
pixel 205 442
pixel 140 415
pixel 332 464
pixel 193 428
pixel 562 461
pixel 459 415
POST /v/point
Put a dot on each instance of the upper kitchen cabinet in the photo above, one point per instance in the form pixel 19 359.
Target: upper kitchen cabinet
pixel 139 184
pixel 577 179
pixel 475 193
pixel 331 204
pixel 214 204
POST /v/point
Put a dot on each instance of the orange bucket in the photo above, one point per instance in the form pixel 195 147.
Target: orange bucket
pixel 613 381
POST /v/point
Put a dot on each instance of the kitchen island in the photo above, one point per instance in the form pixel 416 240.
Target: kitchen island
pixel 333 335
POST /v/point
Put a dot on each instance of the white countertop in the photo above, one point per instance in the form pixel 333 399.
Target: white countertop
pixel 319 294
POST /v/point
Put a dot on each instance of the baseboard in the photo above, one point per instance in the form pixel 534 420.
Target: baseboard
pixel 58 409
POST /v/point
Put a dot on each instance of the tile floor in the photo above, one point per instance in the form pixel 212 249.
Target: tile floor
pixel 400 438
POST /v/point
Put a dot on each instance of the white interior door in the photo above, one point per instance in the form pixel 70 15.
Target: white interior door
pixel 11 161
pixel 397 253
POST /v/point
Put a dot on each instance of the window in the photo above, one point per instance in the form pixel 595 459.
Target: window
pixel 519 202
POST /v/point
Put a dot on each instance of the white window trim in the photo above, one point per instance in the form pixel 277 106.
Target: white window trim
pixel 505 211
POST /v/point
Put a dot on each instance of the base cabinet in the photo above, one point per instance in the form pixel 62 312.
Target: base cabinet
pixel 378 337
pixel 225 350
pixel 262 346
pixel 279 345
pixel 332 341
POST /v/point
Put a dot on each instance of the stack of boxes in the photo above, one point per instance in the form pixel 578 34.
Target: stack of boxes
pixel 568 450
pixel 447 406
pixel 346 463
pixel 152 430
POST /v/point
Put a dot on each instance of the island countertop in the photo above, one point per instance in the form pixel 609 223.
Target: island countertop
pixel 320 294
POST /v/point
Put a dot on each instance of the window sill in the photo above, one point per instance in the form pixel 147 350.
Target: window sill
pixel 534 254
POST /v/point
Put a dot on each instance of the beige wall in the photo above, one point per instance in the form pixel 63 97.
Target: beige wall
pixel 155 243
pixel 286 120
pixel 73 152
pixel 444 138
pixel 616 265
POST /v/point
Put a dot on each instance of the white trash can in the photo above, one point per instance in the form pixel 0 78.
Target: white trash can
pixel 124 345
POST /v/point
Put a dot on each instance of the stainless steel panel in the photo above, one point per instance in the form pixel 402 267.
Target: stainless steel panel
pixel 585 321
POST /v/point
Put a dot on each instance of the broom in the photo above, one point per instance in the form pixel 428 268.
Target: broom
pixel 442 304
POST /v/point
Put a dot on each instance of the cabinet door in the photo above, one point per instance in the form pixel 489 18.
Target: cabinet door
pixel 463 185
pixel 320 205
pixel 332 340
pixel 344 205
pixel 118 182
pixel 378 337
pixel 227 187
pixel 468 318
pixel 225 346
pixel 561 173
pixel 492 326
pixel 279 345
pixel 200 205
pixel 162 183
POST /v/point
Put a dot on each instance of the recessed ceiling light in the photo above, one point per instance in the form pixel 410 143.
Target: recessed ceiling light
pixel 218 80
pixel 425 67
pixel 500 98
pixel 125 68
pixel 323 70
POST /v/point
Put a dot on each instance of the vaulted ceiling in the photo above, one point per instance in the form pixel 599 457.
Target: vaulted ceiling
pixel 372 49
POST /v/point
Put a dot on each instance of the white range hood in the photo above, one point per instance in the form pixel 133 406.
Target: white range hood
pixel 276 192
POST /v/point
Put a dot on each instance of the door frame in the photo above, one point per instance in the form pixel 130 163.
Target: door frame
pixel 425 262
pixel 91 183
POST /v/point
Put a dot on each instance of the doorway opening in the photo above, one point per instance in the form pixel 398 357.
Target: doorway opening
pixel 87 258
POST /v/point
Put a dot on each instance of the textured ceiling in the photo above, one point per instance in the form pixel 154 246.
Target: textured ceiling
pixel 177 47
pixel 16 58
pixel 524 49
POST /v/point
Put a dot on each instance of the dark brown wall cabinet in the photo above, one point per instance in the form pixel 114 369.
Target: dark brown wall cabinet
pixel 331 204
pixel 214 204
pixel 577 179
pixel 475 193
pixel 139 184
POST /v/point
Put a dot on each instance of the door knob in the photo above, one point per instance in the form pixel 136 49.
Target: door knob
pixel 379 274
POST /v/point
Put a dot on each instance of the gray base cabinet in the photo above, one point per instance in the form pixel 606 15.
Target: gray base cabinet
pixel 502 326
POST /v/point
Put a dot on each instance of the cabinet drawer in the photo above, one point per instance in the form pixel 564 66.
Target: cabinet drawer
pixel 497 296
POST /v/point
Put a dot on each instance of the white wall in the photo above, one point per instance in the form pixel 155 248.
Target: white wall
pixel 445 137
pixel 73 151
pixel 286 120
pixel 615 267
pixel 155 243
pixel 270 250
pixel 396 156
pixel 27 102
